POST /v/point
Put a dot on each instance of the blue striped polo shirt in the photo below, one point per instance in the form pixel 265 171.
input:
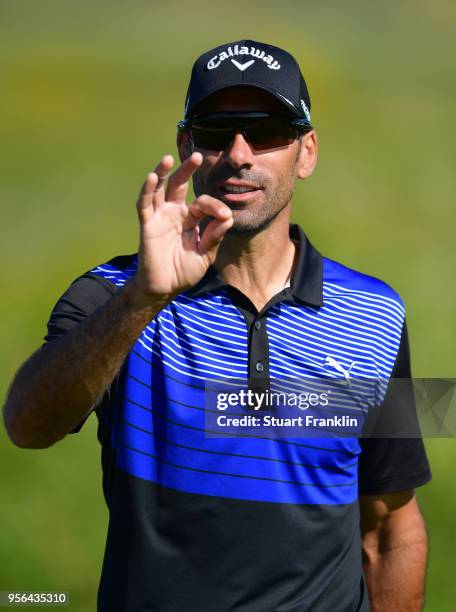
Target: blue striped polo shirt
pixel 250 523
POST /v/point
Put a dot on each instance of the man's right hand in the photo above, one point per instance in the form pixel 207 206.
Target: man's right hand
pixel 172 256
pixel 62 381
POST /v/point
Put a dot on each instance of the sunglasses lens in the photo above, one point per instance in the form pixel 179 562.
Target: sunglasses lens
pixel 215 132
pixel 270 133
pixel 211 137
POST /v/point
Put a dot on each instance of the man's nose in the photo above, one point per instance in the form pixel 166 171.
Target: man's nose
pixel 239 152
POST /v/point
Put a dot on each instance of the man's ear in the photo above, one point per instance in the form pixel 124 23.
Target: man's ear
pixel 308 154
pixel 184 145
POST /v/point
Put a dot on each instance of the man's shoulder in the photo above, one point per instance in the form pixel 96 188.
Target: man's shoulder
pixel 340 279
pixel 87 292
pixel 116 270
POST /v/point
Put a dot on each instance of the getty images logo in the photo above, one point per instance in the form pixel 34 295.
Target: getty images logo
pixel 236 51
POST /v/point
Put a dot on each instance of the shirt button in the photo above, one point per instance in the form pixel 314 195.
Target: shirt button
pixel 257 325
pixel 259 367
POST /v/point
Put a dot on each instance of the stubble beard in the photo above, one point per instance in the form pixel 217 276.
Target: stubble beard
pixel 248 222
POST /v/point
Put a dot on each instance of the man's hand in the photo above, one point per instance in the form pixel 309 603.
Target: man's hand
pixel 172 256
pixel 62 381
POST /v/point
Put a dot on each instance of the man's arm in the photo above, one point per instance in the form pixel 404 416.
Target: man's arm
pixel 59 384
pixel 395 548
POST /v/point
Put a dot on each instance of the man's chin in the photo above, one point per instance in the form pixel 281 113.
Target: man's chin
pixel 248 227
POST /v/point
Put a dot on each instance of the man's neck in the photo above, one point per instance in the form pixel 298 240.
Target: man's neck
pixel 259 265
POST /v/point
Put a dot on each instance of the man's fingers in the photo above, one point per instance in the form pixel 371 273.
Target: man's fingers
pixel 222 220
pixel 153 193
pixel 152 190
pixel 162 171
pixel 213 234
pixel 178 183
pixel 144 204
pixel 204 206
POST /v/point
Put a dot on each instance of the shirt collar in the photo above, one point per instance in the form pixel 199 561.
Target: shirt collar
pixel 306 282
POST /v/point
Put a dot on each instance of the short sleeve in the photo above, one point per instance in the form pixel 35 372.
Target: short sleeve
pixel 85 294
pixel 390 464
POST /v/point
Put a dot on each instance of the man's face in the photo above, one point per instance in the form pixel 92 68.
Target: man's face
pixel 271 174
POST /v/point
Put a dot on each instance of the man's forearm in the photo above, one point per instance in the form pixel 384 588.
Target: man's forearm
pixel 59 384
pixel 395 567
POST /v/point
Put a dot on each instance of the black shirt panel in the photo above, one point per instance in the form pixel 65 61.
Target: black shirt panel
pixel 147 537
pixel 85 294
pixel 394 464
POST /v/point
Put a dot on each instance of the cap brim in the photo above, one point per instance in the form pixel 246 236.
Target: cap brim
pixel 286 103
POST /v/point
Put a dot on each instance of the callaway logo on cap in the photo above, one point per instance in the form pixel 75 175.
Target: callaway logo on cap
pixel 247 62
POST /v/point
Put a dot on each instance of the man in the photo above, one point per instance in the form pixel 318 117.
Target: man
pixel 226 287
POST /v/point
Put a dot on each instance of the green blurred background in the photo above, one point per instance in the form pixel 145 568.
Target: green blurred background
pixel 90 96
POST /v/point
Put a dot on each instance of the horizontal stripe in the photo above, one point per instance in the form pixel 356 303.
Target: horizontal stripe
pixel 240 455
pixel 206 346
pixel 367 295
pixel 185 369
pixel 324 321
pixel 334 445
pixel 144 466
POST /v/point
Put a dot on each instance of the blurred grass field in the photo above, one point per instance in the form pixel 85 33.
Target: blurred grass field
pixel 90 96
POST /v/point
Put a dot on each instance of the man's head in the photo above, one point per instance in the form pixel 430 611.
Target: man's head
pixel 243 151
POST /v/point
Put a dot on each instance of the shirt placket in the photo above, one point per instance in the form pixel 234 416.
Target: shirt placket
pixel 257 337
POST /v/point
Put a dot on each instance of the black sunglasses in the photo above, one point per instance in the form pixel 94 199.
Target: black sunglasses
pixel 216 131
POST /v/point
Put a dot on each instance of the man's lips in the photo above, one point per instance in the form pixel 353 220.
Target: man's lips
pixel 237 191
